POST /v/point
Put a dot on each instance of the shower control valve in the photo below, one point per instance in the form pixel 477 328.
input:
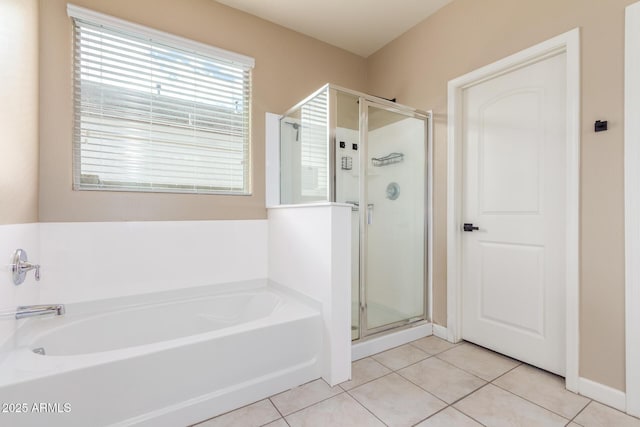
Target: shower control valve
pixel 20 266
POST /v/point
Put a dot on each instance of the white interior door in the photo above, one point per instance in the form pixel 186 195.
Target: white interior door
pixel 513 190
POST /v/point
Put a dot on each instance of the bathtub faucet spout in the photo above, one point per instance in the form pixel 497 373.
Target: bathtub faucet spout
pixel 39 310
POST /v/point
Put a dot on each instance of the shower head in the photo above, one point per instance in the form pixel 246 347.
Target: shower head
pixel 295 126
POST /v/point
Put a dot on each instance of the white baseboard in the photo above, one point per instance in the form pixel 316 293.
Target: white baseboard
pixel 366 348
pixel 441 332
pixel 602 393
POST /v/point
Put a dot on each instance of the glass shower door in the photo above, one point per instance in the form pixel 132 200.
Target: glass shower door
pixel 393 212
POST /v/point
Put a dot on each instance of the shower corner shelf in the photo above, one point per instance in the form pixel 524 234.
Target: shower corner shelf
pixel 389 159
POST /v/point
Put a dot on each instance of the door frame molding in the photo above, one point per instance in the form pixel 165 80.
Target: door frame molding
pixel 568 43
pixel 632 204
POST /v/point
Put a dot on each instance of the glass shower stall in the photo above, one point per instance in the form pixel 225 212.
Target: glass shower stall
pixel 347 147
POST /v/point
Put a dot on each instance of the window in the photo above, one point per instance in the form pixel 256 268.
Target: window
pixel 155 112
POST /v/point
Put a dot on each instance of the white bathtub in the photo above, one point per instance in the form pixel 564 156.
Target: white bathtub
pixel 173 358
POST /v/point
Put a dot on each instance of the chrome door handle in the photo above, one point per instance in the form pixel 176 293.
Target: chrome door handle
pixel 370 214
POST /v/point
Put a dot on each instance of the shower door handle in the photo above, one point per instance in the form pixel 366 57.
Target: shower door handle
pixel 370 214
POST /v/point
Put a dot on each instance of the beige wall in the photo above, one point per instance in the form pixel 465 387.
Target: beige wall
pixel 289 66
pixel 18 111
pixel 468 34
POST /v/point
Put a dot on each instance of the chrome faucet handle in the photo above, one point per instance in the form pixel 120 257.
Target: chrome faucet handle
pixel 27 266
pixel 20 266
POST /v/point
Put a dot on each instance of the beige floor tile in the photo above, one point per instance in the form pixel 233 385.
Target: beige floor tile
pixel 495 407
pixel 256 414
pixel 277 423
pixel 397 401
pixel 364 370
pixel 478 361
pixel 400 357
pixel 544 389
pixel 573 425
pixel 599 415
pixel 432 344
pixel 449 418
pixel 341 410
pixel 303 396
pixel 442 379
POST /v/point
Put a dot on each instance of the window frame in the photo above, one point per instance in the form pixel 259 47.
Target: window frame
pixel 179 43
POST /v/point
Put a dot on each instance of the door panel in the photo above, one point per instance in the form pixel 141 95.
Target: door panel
pixel 513 190
pixel 509 177
pixel 393 211
pixel 525 310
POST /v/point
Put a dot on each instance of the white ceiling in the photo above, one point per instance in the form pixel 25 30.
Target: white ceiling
pixel 359 26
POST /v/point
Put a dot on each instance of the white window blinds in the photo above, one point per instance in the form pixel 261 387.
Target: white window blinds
pixel 155 112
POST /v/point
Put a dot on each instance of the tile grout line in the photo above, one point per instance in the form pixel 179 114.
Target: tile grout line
pixel 411 364
pixel 495 385
pixel 365 408
pixel 612 408
pixel 427 391
pixel 453 408
pixel 396 371
pixel 469 394
pixel 429 355
pixel 506 372
pixel 278 410
pixel 308 382
pixel 368 381
pixel 464 397
pixel 447 404
pixel 423 389
pixel 315 403
pixel 531 401
pixel 285 421
pixel 432 415
pixel 439 352
pixel 579 412
pixel 464 370
pixel 471 373
pixel 236 409
pixel 417 385
pixel 537 404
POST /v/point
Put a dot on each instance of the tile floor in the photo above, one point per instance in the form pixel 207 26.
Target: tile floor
pixel 431 383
